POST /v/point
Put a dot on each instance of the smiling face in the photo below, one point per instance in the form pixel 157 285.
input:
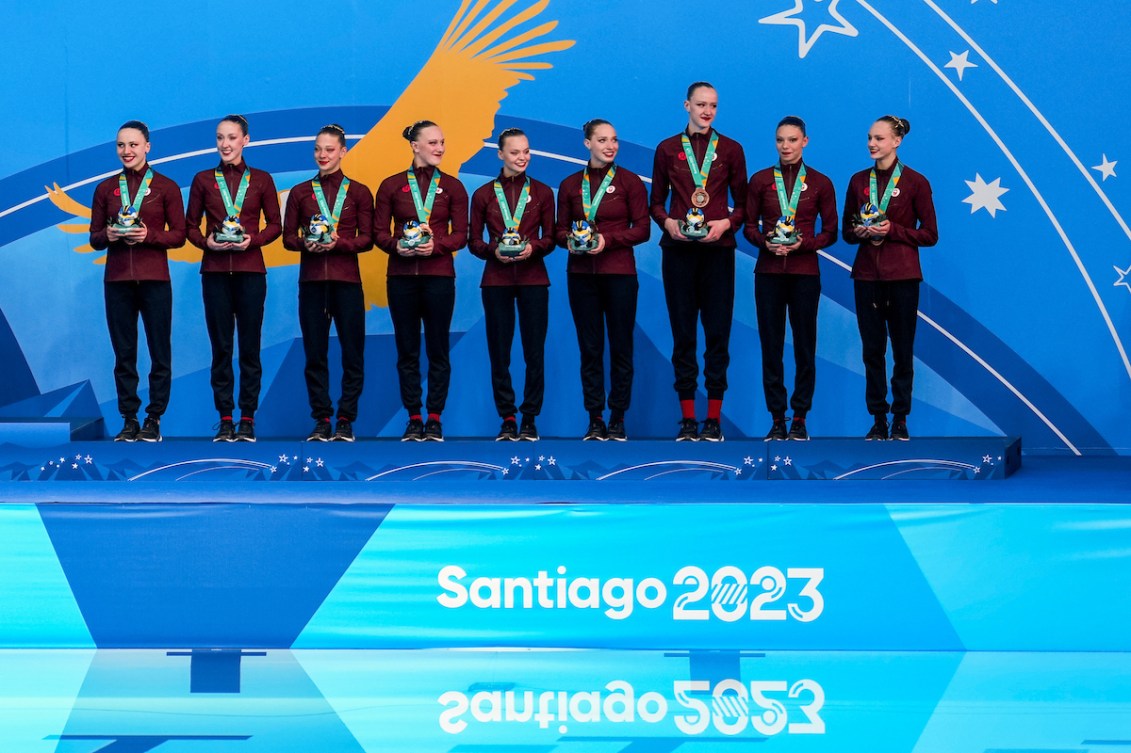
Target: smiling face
pixel 701 108
pixel 602 145
pixel 328 153
pixel 791 142
pixel 883 143
pixel 132 148
pixel 230 141
pixel 428 149
pixel 515 155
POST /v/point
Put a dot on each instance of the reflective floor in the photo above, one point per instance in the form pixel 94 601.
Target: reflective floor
pixel 567 701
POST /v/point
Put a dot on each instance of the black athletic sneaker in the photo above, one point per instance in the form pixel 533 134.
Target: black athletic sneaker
pixel 433 432
pixel 246 431
pixel 597 431
pixel 711 431
pixel 797 430
pixel 150 430
pixel 413 431
pixel 226 432
pixel 508 432
pixel 879 429
pixel 321 431
pixel 777 430
pixel 688 430
pixel 528 432
pixel 899 430
pixel 616 431
pixel 343 431
pixel 130 429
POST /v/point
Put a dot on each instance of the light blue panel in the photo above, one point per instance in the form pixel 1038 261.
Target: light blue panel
pixel 1022 702
pixel 37 692
pixel 37 606
pixel 1016 577
pixel 634 576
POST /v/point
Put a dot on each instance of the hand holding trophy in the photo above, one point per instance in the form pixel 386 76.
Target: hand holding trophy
pixel 694 226
pixel 582 237
pixel 511 244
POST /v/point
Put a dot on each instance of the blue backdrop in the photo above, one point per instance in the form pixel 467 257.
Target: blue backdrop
pixel 1025 307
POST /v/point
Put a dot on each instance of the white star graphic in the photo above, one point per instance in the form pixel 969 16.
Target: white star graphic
pixel 306 469
pixel 538 467
pixel 515 460
pixel 788 460
pixel 737 471
pixel 274 469
pixel 773 467
pixel 804 42
pixel 88 459
pixel 282 458
pixel 553 460
pixel 541 458
pixel 960 63
pixel 1107 168
pixel 987 459
pixel 777 458
pixel 318 462
pixel 985 195
pixel 506 471
pixel 74 466
pixel 79 456
pixel 748 460
pixel 309 461
pixel 62 459
pixel 1123 274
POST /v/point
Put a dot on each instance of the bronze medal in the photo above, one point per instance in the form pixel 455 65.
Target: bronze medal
pixel 700 197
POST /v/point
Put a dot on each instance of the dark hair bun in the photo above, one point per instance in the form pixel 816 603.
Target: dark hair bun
pixel 906 125
pixel 407 133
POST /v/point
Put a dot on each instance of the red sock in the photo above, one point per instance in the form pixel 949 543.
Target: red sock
pixel 413 416
pixel 715 409
pixel 433 416
pixel 688 408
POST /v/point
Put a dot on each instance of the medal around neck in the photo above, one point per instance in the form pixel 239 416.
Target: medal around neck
pixel 694 225
pixel 582 237
pixel 230 231
pixel 511 244
pixel 319 230
pixel 785 232
pixel 413 236
pixel 126 219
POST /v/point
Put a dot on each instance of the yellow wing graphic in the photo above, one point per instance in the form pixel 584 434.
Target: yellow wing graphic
pixel 480 56
pixel 60 199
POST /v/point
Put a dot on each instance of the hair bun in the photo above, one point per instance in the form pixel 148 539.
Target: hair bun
pixel 407 133
pixel 906 125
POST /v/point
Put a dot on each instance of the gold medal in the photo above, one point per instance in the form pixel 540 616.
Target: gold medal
pixel 700 197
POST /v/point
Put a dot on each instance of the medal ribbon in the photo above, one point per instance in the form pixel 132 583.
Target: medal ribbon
pixel 588 203
pixel 339 202
pixel 124 190
pixel 423 208
pixel 233 207
pixel 510 222
pixel 789 206
pixel 699 174
pixel 873 190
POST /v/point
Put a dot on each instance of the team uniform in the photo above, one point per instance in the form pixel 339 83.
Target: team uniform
pixel 789 286
pixel 524 285
pixel 886 279
pixel 421 289
pixel 136 283
pixel 234 283
pixel 329 290
pixel 603 287
pixel 698 276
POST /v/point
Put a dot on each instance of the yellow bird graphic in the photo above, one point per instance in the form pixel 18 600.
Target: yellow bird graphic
pixel 482 54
